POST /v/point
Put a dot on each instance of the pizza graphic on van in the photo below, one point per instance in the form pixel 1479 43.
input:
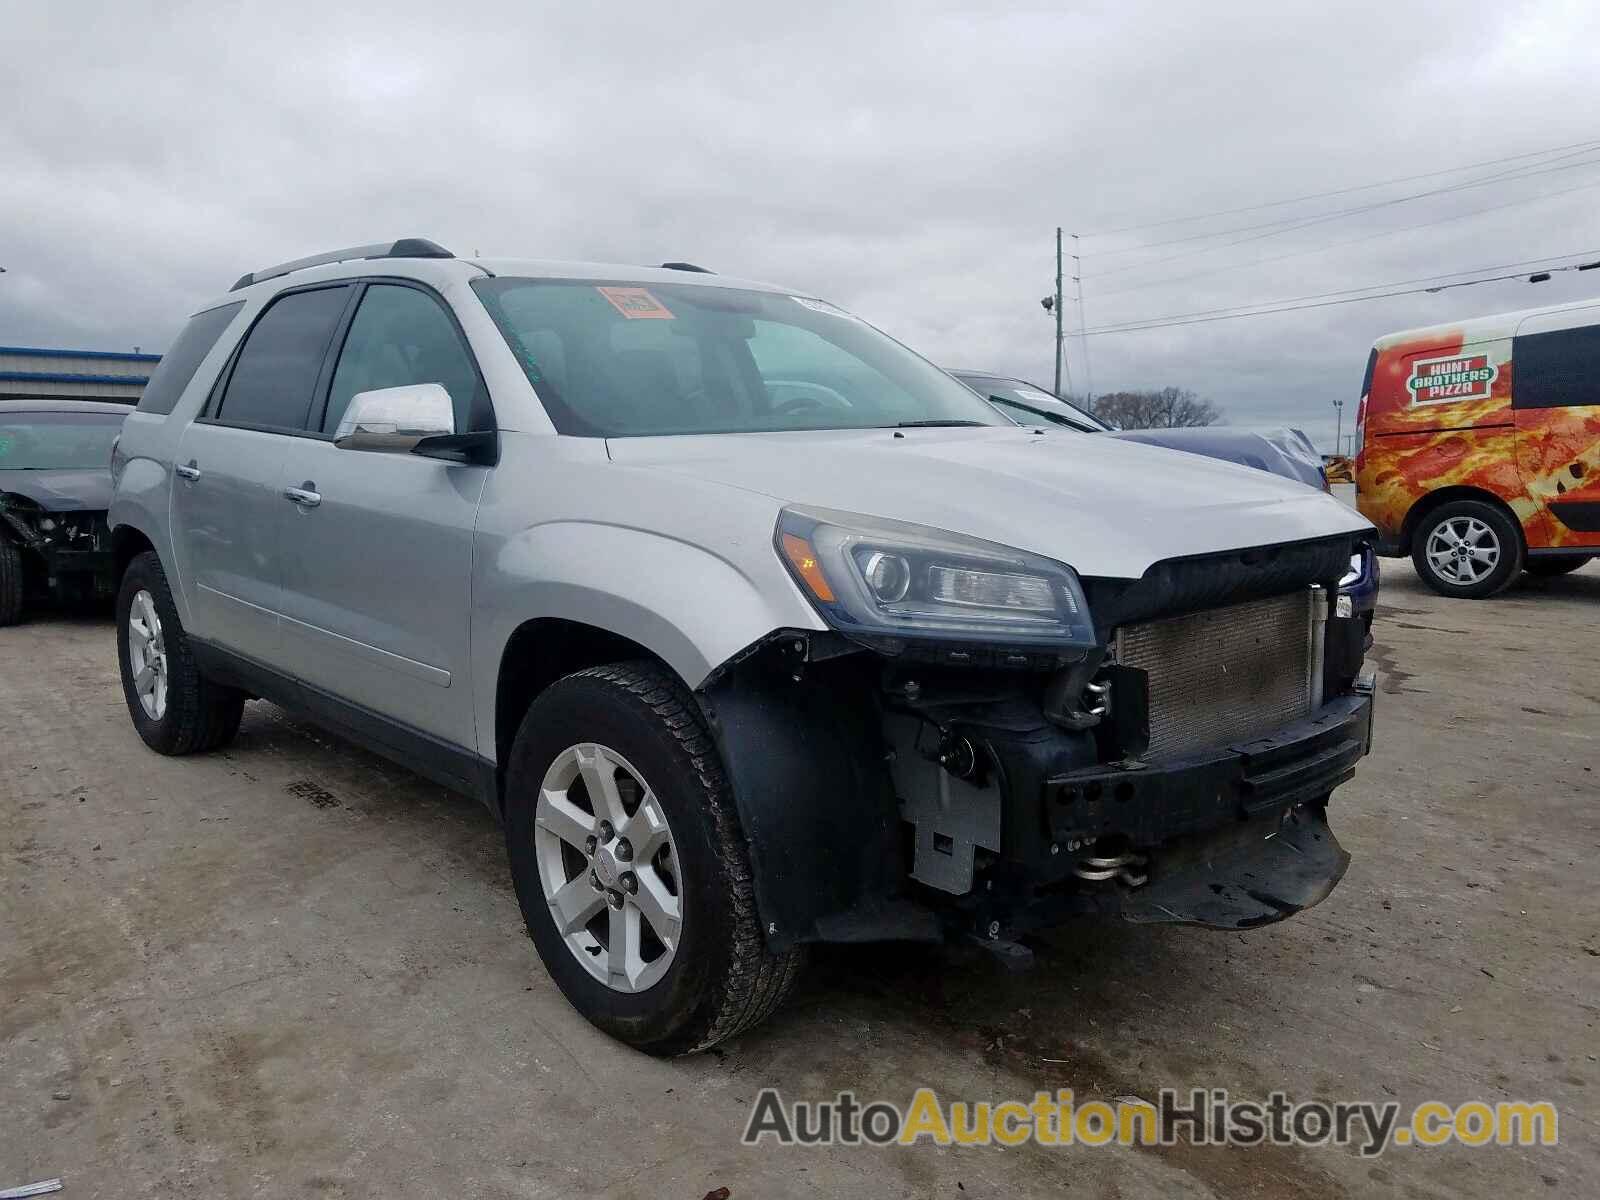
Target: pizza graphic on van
pixel 1448 380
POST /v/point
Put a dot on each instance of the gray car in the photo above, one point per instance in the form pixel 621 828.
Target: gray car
pixel 754 628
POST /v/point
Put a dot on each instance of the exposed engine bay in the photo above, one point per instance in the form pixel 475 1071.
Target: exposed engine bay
pixel 1179 771
pixel 64 553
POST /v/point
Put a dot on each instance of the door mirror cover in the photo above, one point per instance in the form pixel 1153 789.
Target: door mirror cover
pixel 393 420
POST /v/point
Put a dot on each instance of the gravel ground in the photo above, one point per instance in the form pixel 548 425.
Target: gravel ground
pixel 292 968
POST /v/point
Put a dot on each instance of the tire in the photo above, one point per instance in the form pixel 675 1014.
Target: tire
pixel 1554 565
pixel 1436 549
pixel 12 591
pixel 719 978
pixel 195 714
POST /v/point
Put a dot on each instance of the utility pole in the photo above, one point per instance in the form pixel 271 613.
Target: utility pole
pixel 1083 327
pixel 1058 310
pixel 1338 436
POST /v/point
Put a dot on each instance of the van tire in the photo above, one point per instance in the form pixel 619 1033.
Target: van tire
pixel 722 979
pixel 11 583
pixel 1435 533
pixel 200 715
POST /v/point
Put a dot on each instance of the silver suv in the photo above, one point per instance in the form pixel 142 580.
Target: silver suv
pixel 754 628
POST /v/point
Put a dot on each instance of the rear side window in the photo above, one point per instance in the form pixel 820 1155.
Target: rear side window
pixel 401 336
pixel 275 375
pixel 1558 369
pixel 178 365
pixel 1366 379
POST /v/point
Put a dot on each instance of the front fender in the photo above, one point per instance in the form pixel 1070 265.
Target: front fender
pixel 689 607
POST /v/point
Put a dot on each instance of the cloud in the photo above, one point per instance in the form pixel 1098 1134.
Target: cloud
pixel 909 161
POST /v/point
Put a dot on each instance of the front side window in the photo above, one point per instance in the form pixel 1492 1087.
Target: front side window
pixel 58 441
pixel 628 360
pixel 401 336
pixel 1558 369
pixel 275 375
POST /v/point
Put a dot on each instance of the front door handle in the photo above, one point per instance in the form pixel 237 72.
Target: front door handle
pixel 304 496
pixel 187 471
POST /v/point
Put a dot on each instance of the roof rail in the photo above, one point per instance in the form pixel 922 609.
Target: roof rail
pixel 404 248
pixel 683 266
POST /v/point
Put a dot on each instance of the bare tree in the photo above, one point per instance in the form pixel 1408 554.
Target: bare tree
pixel 1168 408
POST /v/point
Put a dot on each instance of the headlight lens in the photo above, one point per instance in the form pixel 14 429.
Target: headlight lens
pixel 1353 575
pixel 872 576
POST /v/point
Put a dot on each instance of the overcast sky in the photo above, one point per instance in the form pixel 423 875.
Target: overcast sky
pixel 908 161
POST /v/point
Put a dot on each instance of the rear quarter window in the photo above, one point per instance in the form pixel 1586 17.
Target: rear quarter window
pixel 178 365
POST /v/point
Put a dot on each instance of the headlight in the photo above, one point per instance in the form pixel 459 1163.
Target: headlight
pixel 1357 569
pixel 872 576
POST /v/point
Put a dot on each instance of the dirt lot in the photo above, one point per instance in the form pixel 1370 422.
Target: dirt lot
pixel 294 969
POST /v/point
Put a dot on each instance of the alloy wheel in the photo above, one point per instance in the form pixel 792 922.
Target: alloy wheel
pixel 147 655
pixel 608 867
pixel 1463 550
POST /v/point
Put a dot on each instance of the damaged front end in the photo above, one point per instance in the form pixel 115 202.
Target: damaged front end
pixel 1174 768
pixel 66 553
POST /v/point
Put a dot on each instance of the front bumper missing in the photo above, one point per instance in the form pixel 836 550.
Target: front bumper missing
pixel 1148 803
pixel 1230 838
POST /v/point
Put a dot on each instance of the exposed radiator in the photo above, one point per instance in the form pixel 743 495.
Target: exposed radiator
pixel 1228 674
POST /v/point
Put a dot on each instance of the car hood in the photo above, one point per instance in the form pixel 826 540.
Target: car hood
pixel 1104 507
pixel 1287 452
pixel 74 490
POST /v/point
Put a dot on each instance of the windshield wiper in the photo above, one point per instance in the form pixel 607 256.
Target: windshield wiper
pixel 939 424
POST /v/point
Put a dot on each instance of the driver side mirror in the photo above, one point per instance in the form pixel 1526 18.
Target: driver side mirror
pixel 418 418
pixel 393 420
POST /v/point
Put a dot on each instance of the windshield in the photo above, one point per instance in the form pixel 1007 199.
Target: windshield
pixel 613 360
pixel 57 441
pixel 1028 405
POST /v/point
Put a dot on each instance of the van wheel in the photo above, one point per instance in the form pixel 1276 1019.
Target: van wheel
pixel 11 583
pixel 1554 564
pixel 176 709
pixel 630 865
pixel 1467 548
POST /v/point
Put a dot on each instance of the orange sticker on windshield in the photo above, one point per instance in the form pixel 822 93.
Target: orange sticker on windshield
pixel 635 303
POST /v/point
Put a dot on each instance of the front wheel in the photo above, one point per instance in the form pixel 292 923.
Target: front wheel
pixel 630 866
pixel 176 709
pixel 1467 548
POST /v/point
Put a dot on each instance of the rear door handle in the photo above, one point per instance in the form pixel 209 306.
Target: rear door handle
pixel 303 496
pixel 186 471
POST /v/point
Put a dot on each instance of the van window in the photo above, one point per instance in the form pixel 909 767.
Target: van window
pixel 1558 369
pixel 178 365
pixel 276 372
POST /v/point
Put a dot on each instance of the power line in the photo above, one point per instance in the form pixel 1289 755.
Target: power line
pixel 1393 283
pixel 1289 224
pixel 1364 187
pixel 1201 319
pixel 1366 237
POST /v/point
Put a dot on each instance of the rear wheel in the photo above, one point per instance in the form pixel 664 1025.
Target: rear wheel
pixel 11 583
pixel 1467 548
pixel 176 709
pixel 630 865
pixel 1554 564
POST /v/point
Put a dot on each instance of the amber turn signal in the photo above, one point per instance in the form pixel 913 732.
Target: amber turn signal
pixel 804 561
